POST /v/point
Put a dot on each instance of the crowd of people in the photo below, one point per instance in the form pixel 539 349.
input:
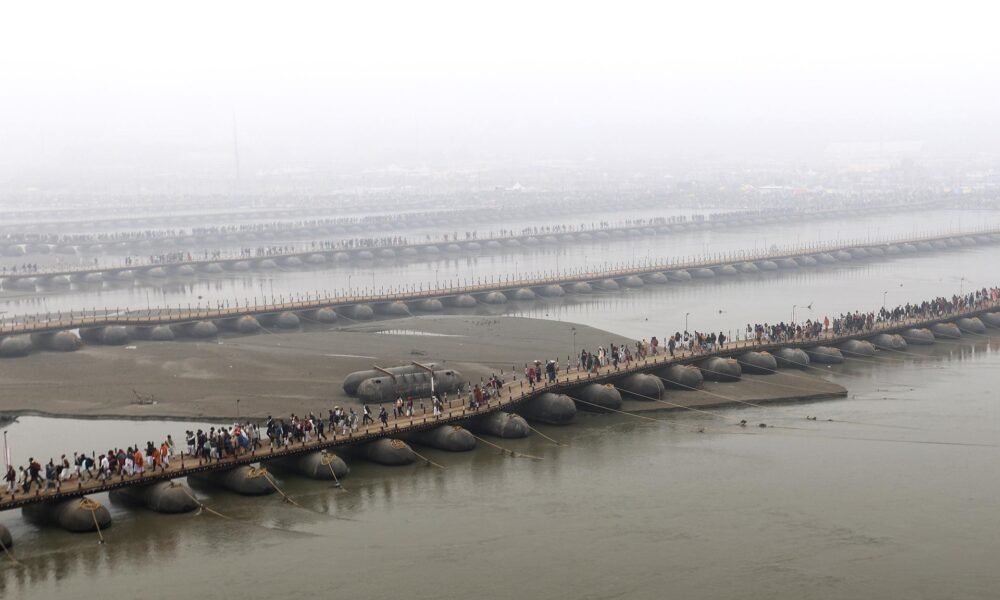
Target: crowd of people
pixel 860 322
pixel 130 462
pixel 219 443
pixel 15 270
pixel 388 221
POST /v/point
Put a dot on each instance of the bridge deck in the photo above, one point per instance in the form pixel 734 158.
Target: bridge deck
pixel 48 323
pixel 305 252
pixel 512 394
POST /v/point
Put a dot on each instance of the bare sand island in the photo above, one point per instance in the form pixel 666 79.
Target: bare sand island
pixel 281 373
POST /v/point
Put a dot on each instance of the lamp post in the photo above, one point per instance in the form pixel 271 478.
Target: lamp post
pixel 686 315
pixel 884 294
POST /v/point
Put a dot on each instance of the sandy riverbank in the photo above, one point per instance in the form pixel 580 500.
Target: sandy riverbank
pixel 275 373
pixel 281 373
pixel 782 386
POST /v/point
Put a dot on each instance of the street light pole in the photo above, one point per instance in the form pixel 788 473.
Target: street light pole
pixel 686 315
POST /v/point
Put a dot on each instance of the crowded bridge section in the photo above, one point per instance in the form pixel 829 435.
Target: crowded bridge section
pixel 948 318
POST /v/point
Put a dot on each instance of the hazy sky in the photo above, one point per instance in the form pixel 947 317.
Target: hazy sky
pixel 372 83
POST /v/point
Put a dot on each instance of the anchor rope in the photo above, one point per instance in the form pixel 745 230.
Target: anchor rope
pixel 427 460
pixel 502 449
pixel 773 407
pixel 556 442
pixel 691 408
pixel 608 408
pixel 327 458
pixel 7 552
pixel 201 505
pixel 92 506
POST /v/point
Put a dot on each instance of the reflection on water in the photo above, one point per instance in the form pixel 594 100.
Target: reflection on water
pixel 891 500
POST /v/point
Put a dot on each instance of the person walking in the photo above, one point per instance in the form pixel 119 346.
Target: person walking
pixel 24 479
pixel 33 472
pixel 10 478
pixel 51 474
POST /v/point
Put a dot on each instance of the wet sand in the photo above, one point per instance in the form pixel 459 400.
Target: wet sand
pixel 277 373
pixel 783 386
pixel 282 373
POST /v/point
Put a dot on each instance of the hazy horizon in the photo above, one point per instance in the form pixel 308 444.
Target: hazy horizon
pixel 120 90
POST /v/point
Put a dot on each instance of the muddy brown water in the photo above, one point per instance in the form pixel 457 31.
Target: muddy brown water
pixel 891 493
pixel 895 498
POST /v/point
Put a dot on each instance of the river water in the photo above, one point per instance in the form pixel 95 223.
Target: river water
pixel 896 497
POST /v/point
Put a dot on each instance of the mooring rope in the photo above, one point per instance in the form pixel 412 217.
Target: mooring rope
pixel 502 449
pixel 742 422
pixel 608 408
pixel 985 334
pixel 694 389
pixel 691 408
pixel 7 552
pixel 556 442
pixel 265 329
pixel 258 472
pixel 427 460
pixel 262 472
pixel 327 459
pixel 783 385
pixel 305 318
pixel 775 408
pixel 201 505
pixel 92 506
pixel 798 365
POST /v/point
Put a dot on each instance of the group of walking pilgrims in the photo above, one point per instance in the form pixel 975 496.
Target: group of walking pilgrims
pixel 129 462
pixel 222 442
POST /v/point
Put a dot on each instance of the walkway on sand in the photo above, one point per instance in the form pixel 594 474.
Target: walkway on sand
pixel 513 393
